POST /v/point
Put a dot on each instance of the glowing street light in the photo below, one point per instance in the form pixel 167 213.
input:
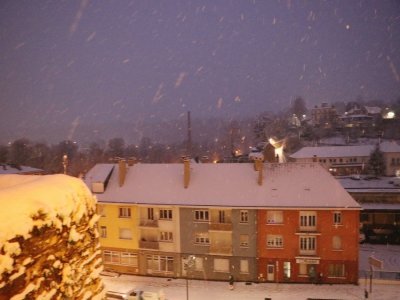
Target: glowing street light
pixel 65 163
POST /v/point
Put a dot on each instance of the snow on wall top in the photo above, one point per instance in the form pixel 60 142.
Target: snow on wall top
pixel 344 151
pixel 7 169
pixel 288 185
pixel 22 196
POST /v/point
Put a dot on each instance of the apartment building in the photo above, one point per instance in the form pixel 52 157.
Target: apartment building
pixel 209 221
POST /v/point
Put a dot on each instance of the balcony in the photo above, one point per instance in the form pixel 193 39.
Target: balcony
pixel 148 223
pixel 154 245
pixel 220 226
pixel 308 252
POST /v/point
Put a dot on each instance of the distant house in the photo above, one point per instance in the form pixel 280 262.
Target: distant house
pixel 347 160
pixel 262 222
pixel 324 116
pixel 22 170
pixel 380 202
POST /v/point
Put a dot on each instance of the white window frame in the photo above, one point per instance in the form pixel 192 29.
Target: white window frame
pixel 125 233
pixel 274 217
pixel 308 245
pixel 221 265
pixel 129 259
pixel 103 231
pixel 202 239
pixel 337 218
pixel 244 266
pixel 274 241
pixel 166 236
pixel 244 240
pixel 201 215
pixel 336 270
pixel 244 216
pixel 101 210
pixel 337 243
pixel 308 220
pixel 165 214
pixel 111 257
pixel 124 212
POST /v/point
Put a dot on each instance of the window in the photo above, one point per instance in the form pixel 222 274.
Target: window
pixel 308 245
pixel 103 231
pixel 111 257
pixel 308 220
pixel 166 214
pixel 198 264
pixel 101 210
pixel 337 242
pixel 244 240
pixel 244 216
pixel 124 212
pixel 125 234
pixel 274 217
pixel 202 238
pixel 159 263
pixel 244 266
pixel 336 270
pixel 150 213
pixel 337 218
pixel 129 259
pixel 221 216
pixel 166 236
pixel 221 265
pixel 274 241
pixel 201 215
pixel 303 269
pixel 287 270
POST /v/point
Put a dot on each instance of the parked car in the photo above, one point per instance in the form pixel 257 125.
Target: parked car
pixel 134 294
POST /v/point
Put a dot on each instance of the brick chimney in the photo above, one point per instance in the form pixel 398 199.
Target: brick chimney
pixel 186 172
pixel 122 172
pixel 258 166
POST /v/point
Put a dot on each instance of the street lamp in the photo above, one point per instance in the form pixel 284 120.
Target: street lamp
pixel 65 163
pixel 188 266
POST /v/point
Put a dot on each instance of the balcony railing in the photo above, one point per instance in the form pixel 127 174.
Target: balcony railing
pixel 149 245
pixel 220 226
pixel 307 252
pixel 148 223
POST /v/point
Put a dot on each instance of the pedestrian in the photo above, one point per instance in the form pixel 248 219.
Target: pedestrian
pixel 231 282
pixel 320 275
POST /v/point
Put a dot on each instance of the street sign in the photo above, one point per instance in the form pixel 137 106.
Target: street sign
pixel 373 262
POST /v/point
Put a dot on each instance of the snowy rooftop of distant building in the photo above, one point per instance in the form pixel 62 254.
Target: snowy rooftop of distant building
pixel 366 184
pixel 286 185
pixel 345 151
pixel 10 169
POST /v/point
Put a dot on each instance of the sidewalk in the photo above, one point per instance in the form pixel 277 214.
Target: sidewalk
pixel 175 289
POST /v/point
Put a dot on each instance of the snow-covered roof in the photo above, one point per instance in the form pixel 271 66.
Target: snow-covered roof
pixel 287 185
pixel 9 169
pixel 380 206
pixel 345 151
pixel 373 110
pixel 365 185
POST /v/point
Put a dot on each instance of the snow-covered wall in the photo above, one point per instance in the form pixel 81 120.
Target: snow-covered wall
pixel 48 239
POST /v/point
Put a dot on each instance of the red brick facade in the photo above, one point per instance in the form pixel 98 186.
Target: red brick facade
pixel 308 246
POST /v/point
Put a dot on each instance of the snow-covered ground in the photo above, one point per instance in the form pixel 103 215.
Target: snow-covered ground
pixel 175 289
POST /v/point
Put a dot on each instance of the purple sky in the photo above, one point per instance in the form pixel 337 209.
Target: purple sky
pixel 89 61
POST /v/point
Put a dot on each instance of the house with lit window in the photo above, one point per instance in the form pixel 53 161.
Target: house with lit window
pixel 209 221
pixel 347 160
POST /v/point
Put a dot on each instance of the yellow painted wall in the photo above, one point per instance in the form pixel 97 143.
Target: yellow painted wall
pixel 113 223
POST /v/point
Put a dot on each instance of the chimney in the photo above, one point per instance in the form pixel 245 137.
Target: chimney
pixel 122 172
pixel 186 172
pixel 258 166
